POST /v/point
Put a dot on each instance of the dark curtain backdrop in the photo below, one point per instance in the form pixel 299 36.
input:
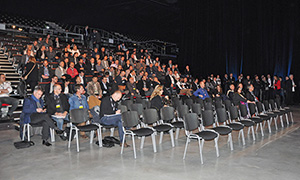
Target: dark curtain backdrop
pixel 239 36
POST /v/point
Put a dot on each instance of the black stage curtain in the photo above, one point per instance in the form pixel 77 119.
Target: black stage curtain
pixel 237 36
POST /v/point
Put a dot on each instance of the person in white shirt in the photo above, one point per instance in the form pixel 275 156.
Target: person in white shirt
pixel 5 90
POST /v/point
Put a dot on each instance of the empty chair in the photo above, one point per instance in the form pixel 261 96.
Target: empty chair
pixel 181 112
pixel 138 108
pixel 227 103
pixel 200 101
pixel 223 130
pixel 276 111
pixel 176 102
pixel 127 103
pixel 208 105
pixel 285 110
pixel 192 123
pixel 130 121
pixel 150 117
pixel 252 116
pixel 236 125
pixel 78 116
pixel 189 102
pixel 218 104
pixel 262 114
pixel 123 108
pixel 196 108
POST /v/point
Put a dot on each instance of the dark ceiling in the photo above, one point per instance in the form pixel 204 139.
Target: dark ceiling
pixel 157 19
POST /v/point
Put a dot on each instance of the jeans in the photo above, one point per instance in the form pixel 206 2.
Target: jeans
pixel 115 120
pixel 60 121
pixel 9 100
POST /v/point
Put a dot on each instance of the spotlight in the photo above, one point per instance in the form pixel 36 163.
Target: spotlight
pixel 20 29
pixel 47 27
pixel 13 26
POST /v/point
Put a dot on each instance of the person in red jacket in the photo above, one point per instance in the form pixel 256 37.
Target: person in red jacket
pixel 72 71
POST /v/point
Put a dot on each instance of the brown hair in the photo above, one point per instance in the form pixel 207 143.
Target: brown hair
pixel 156 91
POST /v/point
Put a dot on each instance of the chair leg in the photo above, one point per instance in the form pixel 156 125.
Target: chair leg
pixel 216 146
pixel 122 148
pixel 264 124
pixel 28 132
pixel 287 119
pixel 92 137
pixel 24 131
pixel 77 140
pixel 256 128
pixel 261 129
pixel 161 137
pixel 172 137
pixel 153 142
pixel 70 135
pixel 99 139
pixel 281 120
pixel 248 131
pixel 112 130
pixel 243 137
pixel 253 134
pixel 186 146
pixel 291 114
pixel 200 150
pixel 177 133
pixel 269 126
pixel 133 145
pixel 230 141
pixel 275 122
pixel 142 142
pixel 52 135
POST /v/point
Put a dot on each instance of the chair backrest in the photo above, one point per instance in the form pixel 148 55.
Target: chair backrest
pixel 221 114
pixel 252 108
pixel 208 106
pixel 218 103
pixel 150 116
pixel 233 112
pixel 176 102
pixel 272 103
pixel 78 115
pixel 182 110
pixel 243 110
pixel 127 103
pixel 208 118
pixel 138 108
pixel 123 108
pixel 208 99
pixel 196 108
pixel 227 104
pixel 167 113
pixel 130 119
pixel 189 102
pixel 278 103
pixel 191 121
pixel 200 101
pixel 259 106
pixel 144 103
pixel 266 105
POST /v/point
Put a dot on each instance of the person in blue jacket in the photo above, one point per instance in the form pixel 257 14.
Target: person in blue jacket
pixel 201 92
pixel 35 113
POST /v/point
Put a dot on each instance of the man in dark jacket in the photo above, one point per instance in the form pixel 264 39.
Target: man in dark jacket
pixel 58 106
pixel 35 113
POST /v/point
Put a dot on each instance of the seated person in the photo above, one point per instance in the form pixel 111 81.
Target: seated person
pixel 93 88
pixel 184 87
pixel 50 87
pixel 131 87
pixel 201 92
pixel 104 87
pixel 157 102
pixel 34 113
pixel 5 90
pixel 238 98
pixel 78 101
pixel 250 94
pixel 110 114
pixel 72 71
pixel 230 92
pixel 45 72
pixel 144 86
pixel 58 107
pixel 67 89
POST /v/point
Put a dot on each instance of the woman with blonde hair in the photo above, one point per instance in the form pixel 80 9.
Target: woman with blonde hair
pixel 31 73
pixel 156 99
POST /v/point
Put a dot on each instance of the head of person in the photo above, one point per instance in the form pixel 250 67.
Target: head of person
pixel 231 87
pixel 291 76
pixel 117 95
pixel 2 78
pixel 38 92
pixel 158 91
pixel 131 80
pixel 251 88
pixel 72 65
pixel 104 79
pixel 78 80
pixel 57 89
pixel 238 90
pixel 45 63
pixel 62 64
pixel 54 79
pixel 202 85
pixel 79 89
pixel 95 79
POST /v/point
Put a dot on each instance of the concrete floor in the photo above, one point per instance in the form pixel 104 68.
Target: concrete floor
pixel 275 156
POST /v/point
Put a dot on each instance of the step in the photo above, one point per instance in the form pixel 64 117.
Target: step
pixel 6 67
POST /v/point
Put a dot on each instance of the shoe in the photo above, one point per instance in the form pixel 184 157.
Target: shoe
pixel 125 145
pixel 58 131
pixel 84 136
pixel 62 137
pixel 46 143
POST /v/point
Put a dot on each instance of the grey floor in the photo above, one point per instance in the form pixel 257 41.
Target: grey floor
pixel 275 156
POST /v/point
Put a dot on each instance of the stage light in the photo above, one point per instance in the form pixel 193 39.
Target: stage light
pixel 13 26
pixel 47 27
pixel 20 29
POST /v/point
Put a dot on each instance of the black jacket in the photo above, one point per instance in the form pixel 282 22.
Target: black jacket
pixel 107 105
pixel 51 103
